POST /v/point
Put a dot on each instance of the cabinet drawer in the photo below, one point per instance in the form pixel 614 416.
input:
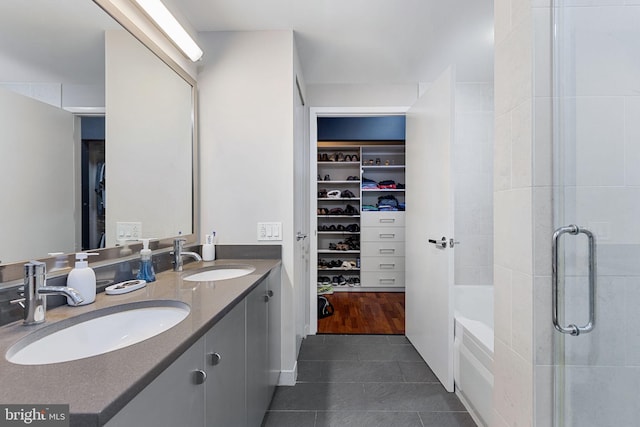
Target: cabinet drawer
pixel 382 234
pixel 379 263
pixel 382 249
pixel 393 279
pixel 383 219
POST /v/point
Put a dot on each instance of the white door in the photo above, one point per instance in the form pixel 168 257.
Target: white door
pixel 301 217
pixel 429 216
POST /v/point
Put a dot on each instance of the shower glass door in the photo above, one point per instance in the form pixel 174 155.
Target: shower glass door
pixel 596 122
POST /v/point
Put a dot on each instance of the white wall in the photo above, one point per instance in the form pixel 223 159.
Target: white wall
pixel 148 135
pixel 38 184
pixel 361 95
pixel 247 86
pixel 472 153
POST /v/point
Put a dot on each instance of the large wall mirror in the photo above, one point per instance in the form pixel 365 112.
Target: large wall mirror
pixel 131 163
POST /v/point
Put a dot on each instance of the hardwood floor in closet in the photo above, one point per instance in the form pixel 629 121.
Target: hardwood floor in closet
pixel 365 313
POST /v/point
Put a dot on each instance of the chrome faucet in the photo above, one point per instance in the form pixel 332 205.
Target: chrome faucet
pixel 35 290
pixel 178 253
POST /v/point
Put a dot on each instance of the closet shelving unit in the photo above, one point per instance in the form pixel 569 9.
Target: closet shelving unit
pixel 380 235
pixel 338 169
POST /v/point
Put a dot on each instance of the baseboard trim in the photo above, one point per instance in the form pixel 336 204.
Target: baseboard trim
pixel 288 377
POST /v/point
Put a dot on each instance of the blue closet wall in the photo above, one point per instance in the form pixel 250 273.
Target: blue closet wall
pixel 93 128
pixel 387 128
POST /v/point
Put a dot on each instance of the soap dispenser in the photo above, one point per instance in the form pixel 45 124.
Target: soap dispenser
pixel 209 247
pixel 83 279
pixel 146 272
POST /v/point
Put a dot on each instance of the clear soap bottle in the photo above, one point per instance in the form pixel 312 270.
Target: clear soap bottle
pixel 146 272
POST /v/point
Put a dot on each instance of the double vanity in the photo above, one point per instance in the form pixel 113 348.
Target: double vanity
pixel 199 347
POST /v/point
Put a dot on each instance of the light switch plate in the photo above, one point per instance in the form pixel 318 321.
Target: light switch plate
pixel 128 230
pixel 269 231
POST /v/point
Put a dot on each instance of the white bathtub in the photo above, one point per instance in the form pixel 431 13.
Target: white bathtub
pixel 473 350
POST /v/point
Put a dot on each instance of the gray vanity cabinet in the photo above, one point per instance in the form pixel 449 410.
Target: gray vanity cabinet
pixel 172 399
pixel 226 379
pixel 257 354
pixel 225 367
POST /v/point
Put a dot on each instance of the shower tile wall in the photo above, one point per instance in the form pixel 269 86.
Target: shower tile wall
pixel 473 171
pixel 515 215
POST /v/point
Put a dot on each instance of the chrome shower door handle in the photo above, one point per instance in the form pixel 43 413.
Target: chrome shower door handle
pixel 573 329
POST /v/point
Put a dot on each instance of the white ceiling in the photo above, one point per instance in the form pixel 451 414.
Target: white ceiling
pixel 366 41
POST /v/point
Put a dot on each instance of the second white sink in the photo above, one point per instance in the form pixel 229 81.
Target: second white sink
pixel 220 273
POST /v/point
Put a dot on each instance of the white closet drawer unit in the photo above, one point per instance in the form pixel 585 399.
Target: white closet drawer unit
pixel 382 234
pixel 379 263
pixel 391 279
pixel 383 219
pixel 382 248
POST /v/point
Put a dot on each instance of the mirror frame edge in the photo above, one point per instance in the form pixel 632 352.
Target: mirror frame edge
pixel 11 273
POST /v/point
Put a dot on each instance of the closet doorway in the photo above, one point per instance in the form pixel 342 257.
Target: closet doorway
pixel 357 239
pixel 93 173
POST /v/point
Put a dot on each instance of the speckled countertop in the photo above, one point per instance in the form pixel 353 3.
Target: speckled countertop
pixel 96 388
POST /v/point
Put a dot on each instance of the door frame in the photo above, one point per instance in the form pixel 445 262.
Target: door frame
pixel 311 327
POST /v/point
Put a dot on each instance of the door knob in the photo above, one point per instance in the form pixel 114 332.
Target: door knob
pixel 440 244
pixel 300 236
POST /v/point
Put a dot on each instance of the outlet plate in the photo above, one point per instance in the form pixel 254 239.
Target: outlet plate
pixel 269 231
pixel 128 230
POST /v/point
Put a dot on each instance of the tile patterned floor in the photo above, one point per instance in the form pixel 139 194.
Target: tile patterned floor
pixel 364 381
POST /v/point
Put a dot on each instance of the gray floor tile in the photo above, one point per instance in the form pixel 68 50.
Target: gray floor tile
pixel 397 339
pixel 447 419
pixel 368 419
pixel 328 352
pixel 319 396
pixel 289 419
pixel 349 371
pixel 356 340
pixel 410 397
pixel 389 352
pixel 364 380
pixel 313 339
pixel 417 372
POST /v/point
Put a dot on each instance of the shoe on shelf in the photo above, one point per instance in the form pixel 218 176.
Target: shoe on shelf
pixel 325 290
pixel 327 177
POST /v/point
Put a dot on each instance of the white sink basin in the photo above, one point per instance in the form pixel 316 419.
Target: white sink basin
pixel 221 273
pixel 97 333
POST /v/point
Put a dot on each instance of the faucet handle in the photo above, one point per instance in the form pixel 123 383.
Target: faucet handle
pixel 19 301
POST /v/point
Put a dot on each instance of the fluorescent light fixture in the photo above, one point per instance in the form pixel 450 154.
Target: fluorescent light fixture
pixel 169 25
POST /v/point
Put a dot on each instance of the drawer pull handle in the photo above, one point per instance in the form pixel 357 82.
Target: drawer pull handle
pixel 387 280
pixel 199 377
pixel 214 358
pixel 387 220
pixel 387 236
pixel 387 266
pixel 387 251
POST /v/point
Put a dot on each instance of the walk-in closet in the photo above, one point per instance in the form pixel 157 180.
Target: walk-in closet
pixel 359 217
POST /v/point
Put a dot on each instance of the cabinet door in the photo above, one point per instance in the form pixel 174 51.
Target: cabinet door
pixel 225 368
pixel 274 333
pixel 257 355
pixel 172 399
